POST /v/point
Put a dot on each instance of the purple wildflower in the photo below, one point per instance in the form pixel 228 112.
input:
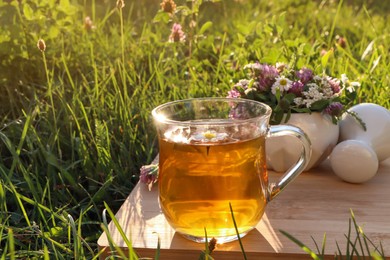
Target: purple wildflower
pixel 268 76
pixel 239 112
pixel 149 174
pixel 177 34
pixel 334 109
pixel 242 83
pixel 296 88
pixel 269 71
pixel 264 74
pixel 254 68
pixel 234 93
pixel 334 84
pixel 305 75
pixel 259 87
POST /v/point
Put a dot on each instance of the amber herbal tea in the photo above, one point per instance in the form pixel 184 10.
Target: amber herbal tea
pixel 199 178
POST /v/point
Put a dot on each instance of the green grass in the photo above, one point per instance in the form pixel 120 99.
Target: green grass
pixel 75 119
pixel 359 245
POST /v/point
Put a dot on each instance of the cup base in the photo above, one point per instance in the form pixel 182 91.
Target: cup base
pixel 220 240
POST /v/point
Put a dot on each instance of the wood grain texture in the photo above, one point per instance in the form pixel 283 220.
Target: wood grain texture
pixel 317 202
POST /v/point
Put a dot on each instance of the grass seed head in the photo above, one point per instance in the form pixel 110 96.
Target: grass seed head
pixel 120 4
pixel 88 24
pixel 41 45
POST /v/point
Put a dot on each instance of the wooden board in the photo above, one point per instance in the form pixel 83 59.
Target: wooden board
pixel 317 202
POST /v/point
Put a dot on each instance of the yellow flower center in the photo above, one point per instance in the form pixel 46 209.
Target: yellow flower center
pixel 209 135
pixel 283 82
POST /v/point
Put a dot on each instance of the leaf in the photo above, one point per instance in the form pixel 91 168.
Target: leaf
pixel 64 3
pixel 161 17
pixel 358 119
pixel 286 116
pixel 54 232
pixel 260 97
pixel 368 50
pixel 325 58
pixel 375 64
pixel 51 159
pixel 291 43
pixel 205 26
pixel 289 97
pixel 28 12
pixel 277 116
pixel 301 110
pixel 185 11
pixel 251 95
pixel 319 105
pixel 53 32
pixel 272 56
pixel 278 94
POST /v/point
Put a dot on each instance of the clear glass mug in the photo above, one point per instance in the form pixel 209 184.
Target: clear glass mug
pixel 212 163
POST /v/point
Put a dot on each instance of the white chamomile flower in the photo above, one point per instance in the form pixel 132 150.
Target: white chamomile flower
pixel 350 89
pixel 208 136
pixel 282 83
pixel 350 86
pixel 344 79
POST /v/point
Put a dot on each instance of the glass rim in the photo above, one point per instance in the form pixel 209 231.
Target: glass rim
pixel 157 116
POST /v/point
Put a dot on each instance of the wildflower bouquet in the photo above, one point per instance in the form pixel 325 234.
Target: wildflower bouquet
pixel 288 90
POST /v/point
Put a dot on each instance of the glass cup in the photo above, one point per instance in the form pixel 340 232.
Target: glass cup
pixel 212 165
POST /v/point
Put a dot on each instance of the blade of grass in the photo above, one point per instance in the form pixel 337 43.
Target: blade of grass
pixel 322 251
pixel 357 230
pixel 132 254
pixel 46 255
pixel 301 245
pixel 377 249
pixel 113 248
pixel 75 237
pixel 334 23
pixel 20 204
pixel 323 245
pixel 11 243
pixel 339 255
pixel 348 238
pixel 237 233
pixel 26 126
pixel 206 242
pixel 104 225
pixel 157 254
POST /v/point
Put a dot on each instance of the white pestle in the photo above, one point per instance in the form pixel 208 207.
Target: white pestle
pixel 356 157
pixel 354 161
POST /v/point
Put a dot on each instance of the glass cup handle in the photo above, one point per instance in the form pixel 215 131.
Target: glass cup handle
pixel 296 169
